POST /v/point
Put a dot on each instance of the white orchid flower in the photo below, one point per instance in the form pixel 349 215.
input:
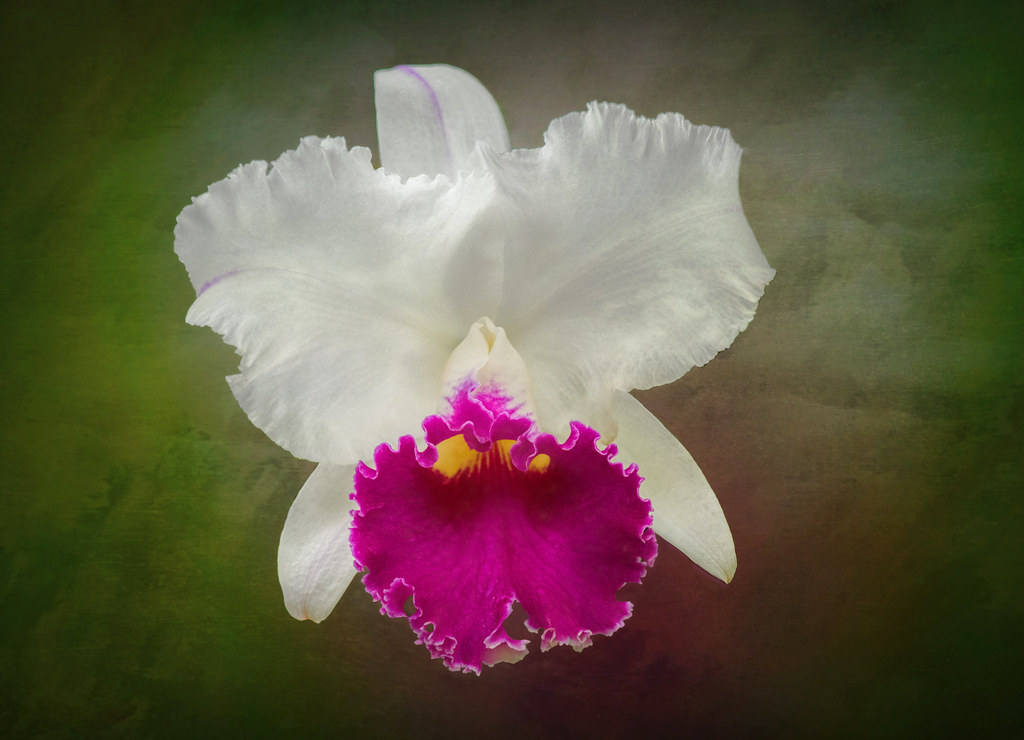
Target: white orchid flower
pixel 494 307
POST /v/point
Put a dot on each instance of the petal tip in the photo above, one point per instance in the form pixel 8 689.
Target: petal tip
pixel 723 569
pixel 728 575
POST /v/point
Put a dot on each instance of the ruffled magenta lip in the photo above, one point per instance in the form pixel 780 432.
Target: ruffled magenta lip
pixel 492 512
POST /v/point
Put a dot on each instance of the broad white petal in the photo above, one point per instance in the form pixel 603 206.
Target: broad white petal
pixel 430 119
pixel 344 290
pixel 628 257
pixel 686 511
pixel 314 561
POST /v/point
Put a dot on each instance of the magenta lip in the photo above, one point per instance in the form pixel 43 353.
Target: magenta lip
pixel 462 549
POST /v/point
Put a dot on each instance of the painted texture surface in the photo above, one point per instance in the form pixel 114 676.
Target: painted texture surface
pixel 862 435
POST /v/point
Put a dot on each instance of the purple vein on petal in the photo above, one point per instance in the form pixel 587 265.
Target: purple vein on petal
pixel 213 281
pixel 437 106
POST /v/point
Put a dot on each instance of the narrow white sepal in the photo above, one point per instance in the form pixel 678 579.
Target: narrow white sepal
pixel 430 119
pixel 314 560
pixel 686 511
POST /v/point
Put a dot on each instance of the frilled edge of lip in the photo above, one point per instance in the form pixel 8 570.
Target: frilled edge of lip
pixel 492 512
pixel 483 416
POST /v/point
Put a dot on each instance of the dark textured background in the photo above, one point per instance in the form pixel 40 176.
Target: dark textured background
pixel 862 435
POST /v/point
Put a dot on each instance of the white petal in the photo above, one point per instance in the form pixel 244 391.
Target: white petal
pixel 314 561
pixel 686 511
pixel 343 289
pixel 628 257
pixel 430 118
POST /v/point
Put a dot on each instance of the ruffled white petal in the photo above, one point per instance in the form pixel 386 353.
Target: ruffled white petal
pixel 343 289
pixel 686 511
pixel 430 119
pixel 314 561
pixel 628 258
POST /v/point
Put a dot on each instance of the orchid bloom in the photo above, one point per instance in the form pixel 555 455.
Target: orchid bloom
pixel 453 337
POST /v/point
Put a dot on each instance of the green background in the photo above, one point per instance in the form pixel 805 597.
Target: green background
pixel 862 435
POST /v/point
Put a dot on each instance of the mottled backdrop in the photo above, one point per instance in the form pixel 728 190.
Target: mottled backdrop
pixel 862 435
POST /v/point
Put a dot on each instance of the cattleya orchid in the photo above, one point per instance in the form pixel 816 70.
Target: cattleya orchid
pixel 453 337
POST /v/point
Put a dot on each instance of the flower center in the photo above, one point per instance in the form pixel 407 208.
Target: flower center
pixel 456 458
